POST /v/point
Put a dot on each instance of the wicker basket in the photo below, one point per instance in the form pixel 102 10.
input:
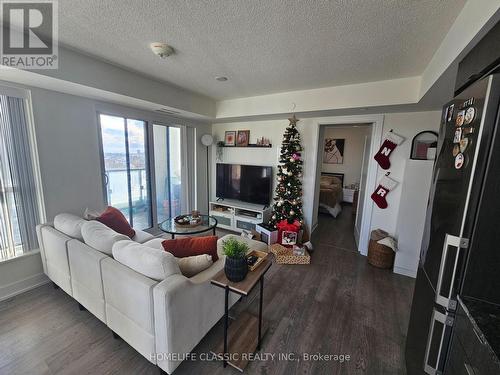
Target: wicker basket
pixel 380 256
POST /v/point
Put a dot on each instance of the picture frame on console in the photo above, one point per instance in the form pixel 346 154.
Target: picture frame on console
pixel 230 138
pixel 243 138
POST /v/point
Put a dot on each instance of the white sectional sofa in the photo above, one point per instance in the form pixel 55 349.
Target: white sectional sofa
pixel 147 302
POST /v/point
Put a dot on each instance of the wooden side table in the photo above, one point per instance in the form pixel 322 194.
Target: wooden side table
pixel 240 340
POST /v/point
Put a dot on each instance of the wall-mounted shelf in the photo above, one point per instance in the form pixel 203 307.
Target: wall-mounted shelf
pixel 251 145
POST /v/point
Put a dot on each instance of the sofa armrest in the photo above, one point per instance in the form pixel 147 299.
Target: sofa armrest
pixel 185 310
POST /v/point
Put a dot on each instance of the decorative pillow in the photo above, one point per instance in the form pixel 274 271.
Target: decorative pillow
pixel 114 219
pixel 70 225
pixel 100 237
pixel 153 263
pixel 191 266
pixel 189 246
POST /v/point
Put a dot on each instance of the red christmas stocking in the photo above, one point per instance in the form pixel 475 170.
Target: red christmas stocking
pixel 391 141
pixel 386 184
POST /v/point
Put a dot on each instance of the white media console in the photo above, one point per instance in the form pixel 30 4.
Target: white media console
pixel 236 215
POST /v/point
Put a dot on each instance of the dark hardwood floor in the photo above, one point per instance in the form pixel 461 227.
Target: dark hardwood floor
pixel 337 305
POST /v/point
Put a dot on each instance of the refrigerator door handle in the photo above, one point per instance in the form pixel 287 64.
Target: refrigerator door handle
pixel 447 322
pixel 448 301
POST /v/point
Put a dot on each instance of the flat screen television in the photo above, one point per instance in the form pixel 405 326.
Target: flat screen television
pixel 247 183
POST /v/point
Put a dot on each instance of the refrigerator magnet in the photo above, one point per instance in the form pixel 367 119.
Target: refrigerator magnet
pixel 459 161
pixel 468 131
pixel 456 150
pixel 460 118
pixel 458 135
pixel 469 115
pixel 464 143
pixel 449 112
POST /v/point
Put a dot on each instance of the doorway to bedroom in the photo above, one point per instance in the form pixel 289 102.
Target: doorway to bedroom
pixel 343 157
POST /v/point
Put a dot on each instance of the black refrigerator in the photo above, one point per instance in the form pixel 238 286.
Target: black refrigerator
pixel 461 245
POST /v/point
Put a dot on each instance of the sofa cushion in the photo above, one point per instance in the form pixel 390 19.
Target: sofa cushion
pixel 100 237
pixel 114 219
pixel 155 243
pixel 141 236
pixel 189 246
pixel 191 266
pixel 70 225
pixel 153 263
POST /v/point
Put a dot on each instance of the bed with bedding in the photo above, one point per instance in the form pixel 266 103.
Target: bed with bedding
pixel 330 193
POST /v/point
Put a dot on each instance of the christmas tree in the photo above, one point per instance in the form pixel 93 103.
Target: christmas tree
pixel 288 197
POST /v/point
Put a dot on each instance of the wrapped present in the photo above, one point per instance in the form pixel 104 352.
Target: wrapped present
pixel 288 233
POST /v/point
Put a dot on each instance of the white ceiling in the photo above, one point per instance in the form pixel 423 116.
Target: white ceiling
pixel 263 46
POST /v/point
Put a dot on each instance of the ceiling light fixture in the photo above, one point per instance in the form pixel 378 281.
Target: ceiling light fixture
pixel 221 78
pixel 161 49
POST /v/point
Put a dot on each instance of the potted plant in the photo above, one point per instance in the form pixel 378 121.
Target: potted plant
pixel 236 267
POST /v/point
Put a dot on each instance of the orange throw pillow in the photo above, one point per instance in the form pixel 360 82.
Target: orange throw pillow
pixel 114 219
pixel 189 246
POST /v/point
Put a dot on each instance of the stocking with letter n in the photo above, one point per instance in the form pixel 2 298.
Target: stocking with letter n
pixel 385 185
pixel 391 141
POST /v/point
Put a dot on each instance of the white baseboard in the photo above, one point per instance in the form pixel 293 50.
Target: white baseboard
pixel 21 286
pixel 405 272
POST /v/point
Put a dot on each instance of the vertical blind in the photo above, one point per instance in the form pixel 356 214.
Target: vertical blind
pixel 19 213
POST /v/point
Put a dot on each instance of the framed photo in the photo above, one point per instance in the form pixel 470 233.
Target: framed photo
pixel 333 151
pixel 289 238
pixel 230 138
pixel 243 138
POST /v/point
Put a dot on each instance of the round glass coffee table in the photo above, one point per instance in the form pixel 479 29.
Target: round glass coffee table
pixel 207 223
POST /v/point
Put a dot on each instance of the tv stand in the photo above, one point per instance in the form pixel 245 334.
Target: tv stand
pixel 236 216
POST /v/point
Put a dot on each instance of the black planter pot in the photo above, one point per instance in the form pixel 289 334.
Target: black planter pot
pixel 236 269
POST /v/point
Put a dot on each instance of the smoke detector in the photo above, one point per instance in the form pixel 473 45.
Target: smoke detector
pixel 163 50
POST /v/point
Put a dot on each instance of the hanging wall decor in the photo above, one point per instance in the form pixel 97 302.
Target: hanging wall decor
pixel 391 141
pixel 385 185
pixel 424 146
pixel 333 151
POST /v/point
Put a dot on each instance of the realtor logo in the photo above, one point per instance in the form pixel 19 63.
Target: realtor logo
pixel 29 34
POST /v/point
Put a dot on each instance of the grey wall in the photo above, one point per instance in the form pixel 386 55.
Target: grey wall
pixel 68 149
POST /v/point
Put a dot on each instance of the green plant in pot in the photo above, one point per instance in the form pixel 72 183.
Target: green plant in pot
pixel 236 267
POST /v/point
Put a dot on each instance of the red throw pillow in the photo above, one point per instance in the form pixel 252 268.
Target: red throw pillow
pixel 189 246
pixel 114 219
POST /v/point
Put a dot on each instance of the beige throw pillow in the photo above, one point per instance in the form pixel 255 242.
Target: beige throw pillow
pixel 193 265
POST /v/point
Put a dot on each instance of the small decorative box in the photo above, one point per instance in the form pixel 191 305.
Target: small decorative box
pixel 285 255
pixel 268 234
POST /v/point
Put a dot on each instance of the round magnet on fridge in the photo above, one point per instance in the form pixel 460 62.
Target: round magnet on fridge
pixel 456 150
pixel 459 161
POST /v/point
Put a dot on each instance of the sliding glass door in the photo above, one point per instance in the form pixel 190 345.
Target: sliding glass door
pixel 167 161
pixel 125 159
pixel 146 186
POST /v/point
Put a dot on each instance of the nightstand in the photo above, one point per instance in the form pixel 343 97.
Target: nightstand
pixel 348 195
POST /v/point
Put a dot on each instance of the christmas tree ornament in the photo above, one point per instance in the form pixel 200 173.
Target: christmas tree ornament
pixel 385 185
pixel 391 141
